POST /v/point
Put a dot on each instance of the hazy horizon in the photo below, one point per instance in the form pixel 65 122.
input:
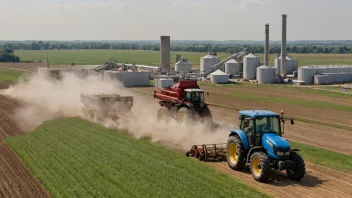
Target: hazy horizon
pixel 192 20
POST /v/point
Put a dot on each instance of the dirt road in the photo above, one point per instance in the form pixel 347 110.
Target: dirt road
pixel 15 179
pixel 318 182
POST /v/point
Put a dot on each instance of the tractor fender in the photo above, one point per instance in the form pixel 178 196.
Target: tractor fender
pixel 243 137
pixel 295 150
pixel 252 150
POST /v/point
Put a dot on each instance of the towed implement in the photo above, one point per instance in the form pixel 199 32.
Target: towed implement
pixel 208 152
pixel 183 101
pixel 101 106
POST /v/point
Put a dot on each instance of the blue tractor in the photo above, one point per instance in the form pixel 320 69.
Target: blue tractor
pixel 259 143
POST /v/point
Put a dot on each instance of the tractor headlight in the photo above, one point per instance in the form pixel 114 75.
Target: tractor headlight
pixel 279 153
pixel 287 153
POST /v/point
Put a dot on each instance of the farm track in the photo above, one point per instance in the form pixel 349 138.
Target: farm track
pixel 15 179
pixel 32 67
pixel 318 182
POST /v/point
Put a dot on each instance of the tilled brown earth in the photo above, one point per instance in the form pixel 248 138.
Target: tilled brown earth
pixel 318 182
pixel 15 179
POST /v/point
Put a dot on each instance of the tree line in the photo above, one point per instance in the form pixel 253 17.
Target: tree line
pixel 199 47
pixel 7 55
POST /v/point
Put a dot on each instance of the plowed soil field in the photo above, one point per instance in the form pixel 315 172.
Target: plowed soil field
pixel 318 182
pixel 15 179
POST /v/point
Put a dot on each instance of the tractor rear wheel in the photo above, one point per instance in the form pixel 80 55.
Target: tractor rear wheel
pixel 260 167
pixel 163 114
pixel 299 170
pixel 206 115
pixel 184 114
pixel 235 153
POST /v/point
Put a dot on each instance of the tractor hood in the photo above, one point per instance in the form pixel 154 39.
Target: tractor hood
pixel 275 142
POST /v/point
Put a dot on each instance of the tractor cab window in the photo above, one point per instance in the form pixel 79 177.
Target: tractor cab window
pixel 247 125
pixel 198 96
pixel 188 96
pixel 267 125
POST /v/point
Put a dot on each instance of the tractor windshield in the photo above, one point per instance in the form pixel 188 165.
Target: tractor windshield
pixel 197 97
pixel 267 125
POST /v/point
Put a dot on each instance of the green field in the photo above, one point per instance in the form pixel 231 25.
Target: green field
pixel 10 75
pixel 92 57
pixel 75 158
pixel 324 157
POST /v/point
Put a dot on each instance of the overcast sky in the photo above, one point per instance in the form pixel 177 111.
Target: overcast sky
pixel 181 19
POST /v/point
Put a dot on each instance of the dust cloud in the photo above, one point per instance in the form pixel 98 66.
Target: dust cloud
pixel 49 99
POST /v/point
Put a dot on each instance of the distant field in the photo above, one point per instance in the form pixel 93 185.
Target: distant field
pixel 92 57
pixel 75 158
pixel 9 75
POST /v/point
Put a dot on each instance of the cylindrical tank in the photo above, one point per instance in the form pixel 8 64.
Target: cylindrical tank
pixel 266 74
pixel 233 67
pixel 250 64
pixel 183 66
pixel 207 61
pixel 291 65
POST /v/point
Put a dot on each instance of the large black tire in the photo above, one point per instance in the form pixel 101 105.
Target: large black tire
pixel 260 167
pixel 163 114
pixel 206 115
pixel 235 153
pixel 299 170
pixel 185 115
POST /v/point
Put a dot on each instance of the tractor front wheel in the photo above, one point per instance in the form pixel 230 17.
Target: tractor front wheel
pixel 163 114
pixel 184 114
pixel 260 167
pixel 235 153
pixel 299 170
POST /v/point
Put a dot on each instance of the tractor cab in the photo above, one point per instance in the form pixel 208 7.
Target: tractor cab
pixel 194 96
pixel 257 123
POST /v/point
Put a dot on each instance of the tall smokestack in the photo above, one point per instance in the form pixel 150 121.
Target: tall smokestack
pixel 266 45
pixel 165 52
pixel 283 47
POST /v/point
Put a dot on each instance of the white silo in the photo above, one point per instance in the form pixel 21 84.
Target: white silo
pixel 291 65
pixel 219 77
pixel 183 66
pixel 250 64
pixel 233 67
pixel 207 61
pixel 266 74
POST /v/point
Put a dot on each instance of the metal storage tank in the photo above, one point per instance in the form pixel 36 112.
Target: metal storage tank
pixel 291 65
pixel 183 66
pixel 219 77
pixel 233 67
pixel 321 79
pixel 250 64
pixel 207 61
pixel 266 74
pixel 128 79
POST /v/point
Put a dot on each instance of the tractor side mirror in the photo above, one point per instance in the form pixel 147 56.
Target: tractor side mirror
pixel 292 122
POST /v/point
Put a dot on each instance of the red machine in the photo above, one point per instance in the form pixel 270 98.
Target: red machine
pixel 183 101
pixel 208 152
